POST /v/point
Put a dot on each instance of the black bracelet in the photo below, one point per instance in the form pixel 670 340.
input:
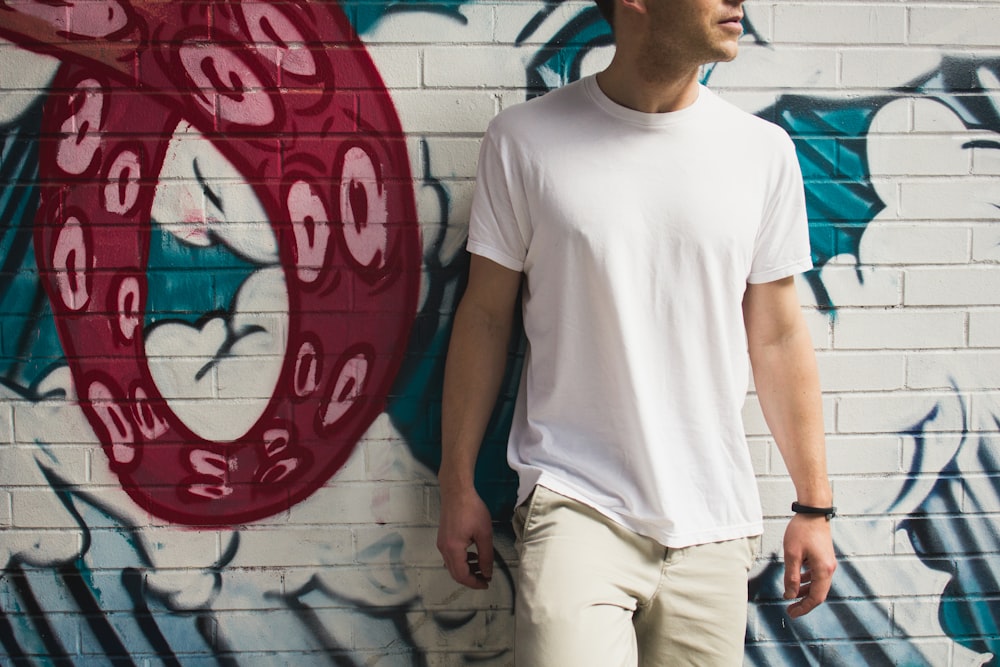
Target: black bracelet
pixel 828 512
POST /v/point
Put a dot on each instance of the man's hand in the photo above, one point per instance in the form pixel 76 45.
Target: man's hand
pixel 809 563
pixel 465 522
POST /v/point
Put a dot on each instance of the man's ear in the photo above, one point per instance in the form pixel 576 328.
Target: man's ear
pixel 637 6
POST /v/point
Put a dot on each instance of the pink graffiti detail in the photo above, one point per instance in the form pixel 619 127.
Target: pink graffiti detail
pixel 311 228
pixel 315 134
pixel 127 307
pixel 347 389
pixel 81 129
pixel 224 83
pixel 122 190
pixel 267 26
pixel 151 424
pixel 363 209
pixel 117 425
pixel 89 18
pixel 306 370
pixel 70 259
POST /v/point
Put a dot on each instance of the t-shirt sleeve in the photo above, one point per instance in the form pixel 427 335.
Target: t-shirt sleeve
pixel 498 221
pixel 782 244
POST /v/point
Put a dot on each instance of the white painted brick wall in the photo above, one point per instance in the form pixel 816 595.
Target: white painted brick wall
pixel 837 23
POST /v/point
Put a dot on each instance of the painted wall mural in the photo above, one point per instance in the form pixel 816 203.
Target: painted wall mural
pixel 230 253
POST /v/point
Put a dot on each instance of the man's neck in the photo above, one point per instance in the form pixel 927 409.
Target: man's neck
pixel 625 85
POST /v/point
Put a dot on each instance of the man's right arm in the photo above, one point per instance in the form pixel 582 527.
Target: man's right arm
pixel 474 370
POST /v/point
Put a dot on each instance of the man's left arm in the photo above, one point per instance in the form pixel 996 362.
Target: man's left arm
pixel 787 382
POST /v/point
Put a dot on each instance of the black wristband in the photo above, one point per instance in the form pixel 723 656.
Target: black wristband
pixel 828 512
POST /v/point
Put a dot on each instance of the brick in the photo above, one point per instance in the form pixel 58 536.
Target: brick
pixel 23 70
pixel 247 375
pixel 296 547
pixel 948 199
pixel 840 371
pixel 776 496
pixel 985 412
pixel 898 329
pixel 248 588
pixel 399 66
pixel 441 111
pixel 898 651
pixel 751 101
pixel 972 285
pixel 471 67
pixel 771 540
pixel 900 577
pixel 361 503
pixel 911 617
pixel 919 154
pixel 881 68
pixel 894 117
pixel 863 536
pixel 849 285
pixel 863 456
pixel 477 25
pixel 820 329
pixel 22 465
pixel 6 423
pixel 417 545
pixel 985 160
pixel 933 450
pixel 392 460
pixel 770 68
pixel 41 546
pixel 966 369
pixel 448 158
pixel 865 496
pixel 5 509
pixel 895 412
pixel 953 26
pixel 986 243
pixel 902 243
pixel 830 23
pixel 514 17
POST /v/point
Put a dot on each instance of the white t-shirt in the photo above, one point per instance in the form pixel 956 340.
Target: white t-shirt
pixel 637 234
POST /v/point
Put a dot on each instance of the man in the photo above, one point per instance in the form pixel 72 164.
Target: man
pixel 656 230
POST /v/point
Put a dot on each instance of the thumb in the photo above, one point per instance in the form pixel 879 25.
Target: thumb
pixel 793 575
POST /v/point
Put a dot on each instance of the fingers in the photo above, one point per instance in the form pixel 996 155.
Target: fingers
pixel 810 561
pixel 793 575
pixel 467 569
pixel 470 567
pixel 485 557
pixel 465 539
pixel 813 592
pixel 811 586
pixel 480 568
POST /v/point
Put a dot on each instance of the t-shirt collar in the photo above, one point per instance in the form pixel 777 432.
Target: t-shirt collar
pixel 643 118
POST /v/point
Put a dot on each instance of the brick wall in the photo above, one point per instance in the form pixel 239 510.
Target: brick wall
pixel 231 247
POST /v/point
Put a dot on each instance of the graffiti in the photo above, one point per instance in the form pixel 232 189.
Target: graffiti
pixel 142 611
pixel 335 189
pixel 214 317
pixel 951 478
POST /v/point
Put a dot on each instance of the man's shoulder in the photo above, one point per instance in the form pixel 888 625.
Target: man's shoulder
pixel 746 120
pixel 538 115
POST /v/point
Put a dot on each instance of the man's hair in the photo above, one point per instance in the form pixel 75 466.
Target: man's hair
pixel 607 8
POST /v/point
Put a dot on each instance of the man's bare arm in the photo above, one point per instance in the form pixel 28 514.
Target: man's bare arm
pixel 477 358
pixel 787 382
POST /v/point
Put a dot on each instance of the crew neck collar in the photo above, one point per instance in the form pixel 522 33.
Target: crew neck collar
pixel 642 118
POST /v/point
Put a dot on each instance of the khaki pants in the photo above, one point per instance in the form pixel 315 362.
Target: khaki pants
pixel 592 593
